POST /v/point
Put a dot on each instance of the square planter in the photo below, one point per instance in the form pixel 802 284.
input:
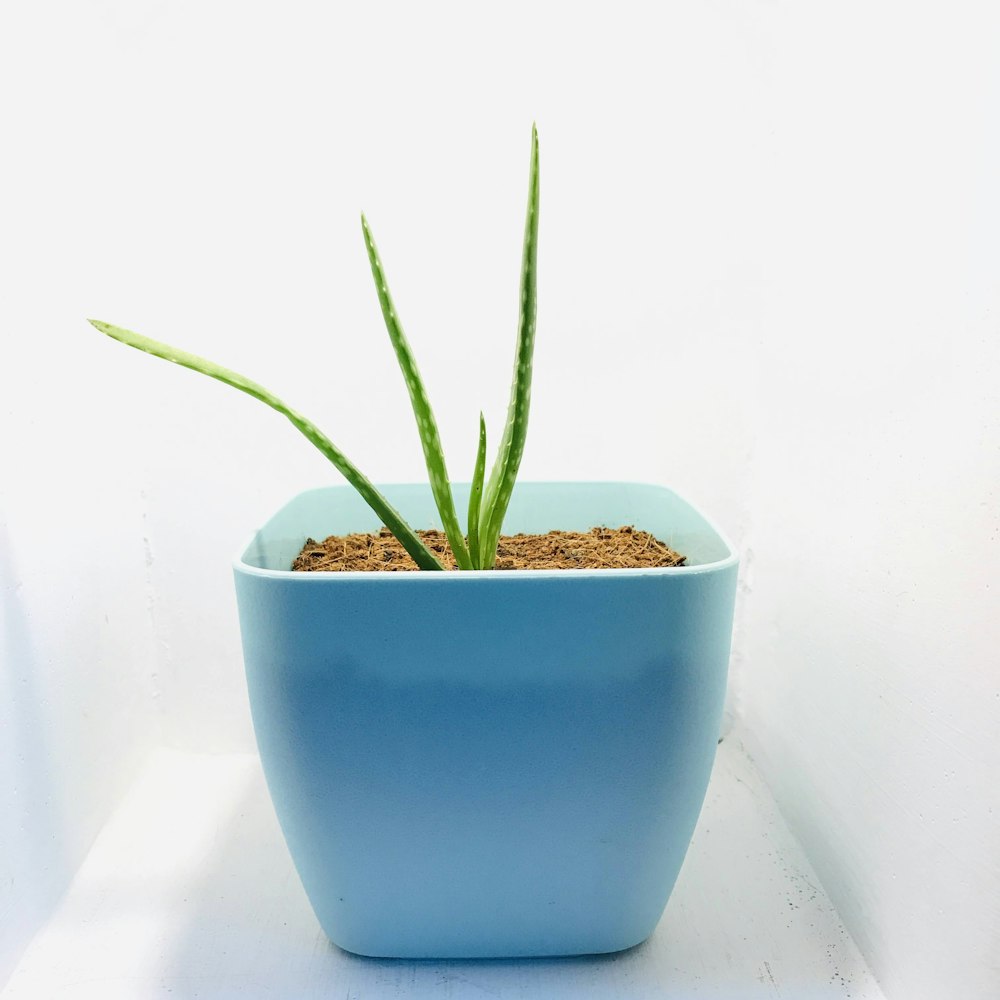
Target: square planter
pixel 488 764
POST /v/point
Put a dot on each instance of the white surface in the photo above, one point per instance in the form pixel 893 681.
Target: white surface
pixel 189 892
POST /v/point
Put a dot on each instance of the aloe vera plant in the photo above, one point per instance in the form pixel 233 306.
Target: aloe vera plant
pixel 488 500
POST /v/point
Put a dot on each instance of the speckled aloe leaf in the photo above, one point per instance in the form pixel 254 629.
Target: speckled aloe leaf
pixel 378 503
pixel 437 471
pixel 476 497
pixel 504 474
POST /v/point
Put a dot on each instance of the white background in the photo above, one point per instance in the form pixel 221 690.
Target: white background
pixel 769 277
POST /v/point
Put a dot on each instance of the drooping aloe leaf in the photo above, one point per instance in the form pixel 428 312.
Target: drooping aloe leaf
pixel 430 440
pixel 390 516
pixel 504 474
pixel 476 496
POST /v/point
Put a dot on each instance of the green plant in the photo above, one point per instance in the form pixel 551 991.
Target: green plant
pixel 488 500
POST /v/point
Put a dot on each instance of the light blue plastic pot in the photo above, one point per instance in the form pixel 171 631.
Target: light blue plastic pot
pixel 488 764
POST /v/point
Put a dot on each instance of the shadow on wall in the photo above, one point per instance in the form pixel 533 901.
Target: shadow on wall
pixel 34 868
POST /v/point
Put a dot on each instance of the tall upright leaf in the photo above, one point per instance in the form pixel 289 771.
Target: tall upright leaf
pixel 426 424
pixel 504 474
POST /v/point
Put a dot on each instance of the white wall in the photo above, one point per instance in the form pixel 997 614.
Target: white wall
pixel 768 251
pixel 203 168
pixel 76 657
pixel 871 693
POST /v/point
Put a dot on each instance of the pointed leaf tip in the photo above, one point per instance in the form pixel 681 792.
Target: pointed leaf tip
pixel 106 328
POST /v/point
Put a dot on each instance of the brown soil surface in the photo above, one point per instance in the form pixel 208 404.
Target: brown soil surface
pixel 599 548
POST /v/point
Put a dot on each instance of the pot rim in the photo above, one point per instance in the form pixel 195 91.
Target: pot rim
pixel 448 577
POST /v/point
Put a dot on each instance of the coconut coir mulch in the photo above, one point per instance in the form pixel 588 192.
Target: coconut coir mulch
pixel 599 548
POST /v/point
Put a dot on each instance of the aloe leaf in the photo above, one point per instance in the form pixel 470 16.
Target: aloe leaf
pixel 504 474
pixel 476 496
pixel 426 424
pixel 392 519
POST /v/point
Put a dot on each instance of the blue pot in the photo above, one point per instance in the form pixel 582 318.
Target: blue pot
pixel 488 764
